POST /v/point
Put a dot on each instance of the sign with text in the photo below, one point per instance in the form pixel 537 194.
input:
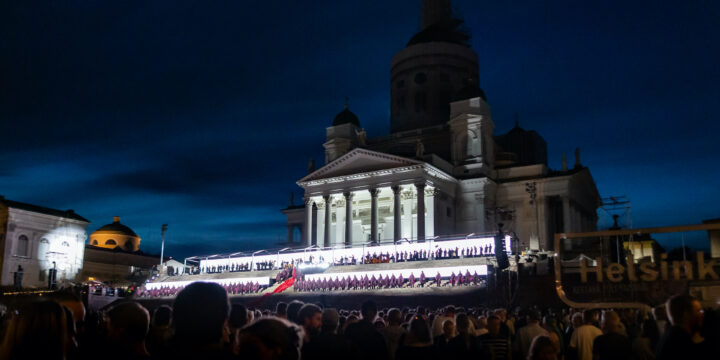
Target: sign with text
pixel 629 268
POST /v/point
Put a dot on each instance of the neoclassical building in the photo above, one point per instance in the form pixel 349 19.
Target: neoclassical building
pixel 39 239
pixel 442 171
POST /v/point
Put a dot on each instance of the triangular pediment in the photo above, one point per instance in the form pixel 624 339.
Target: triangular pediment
pixel 359 161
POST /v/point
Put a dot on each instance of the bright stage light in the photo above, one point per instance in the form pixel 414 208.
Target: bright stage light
pixel 330 255
pixel 430 272
pixel 262 281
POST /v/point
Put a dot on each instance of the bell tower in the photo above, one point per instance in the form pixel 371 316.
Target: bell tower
pixel 431 70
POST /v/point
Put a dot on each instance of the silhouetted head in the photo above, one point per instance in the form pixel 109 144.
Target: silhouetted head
pixel 369 310
pixel 127 323
pixel 200 312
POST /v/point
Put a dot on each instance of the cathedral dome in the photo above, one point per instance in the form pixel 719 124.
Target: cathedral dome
pixel 468 92
pixel 115 235
pixel 346 117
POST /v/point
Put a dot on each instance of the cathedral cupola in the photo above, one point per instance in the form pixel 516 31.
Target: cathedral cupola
pixel 346 117
pixel 435 66
pixel 344 135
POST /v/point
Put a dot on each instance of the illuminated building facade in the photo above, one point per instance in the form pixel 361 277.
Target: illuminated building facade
pixel 442 170
pixel 40 239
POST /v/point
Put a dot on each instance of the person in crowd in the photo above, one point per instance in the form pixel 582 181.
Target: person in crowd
pixel 660 315
pixel 327 344
pixel 417 344
pixel 441 341
pixel 481 328
pixel 293 309
pixel 581 342
pixel 710 331
pixel 76 306
pixel 127 326
pixel 686 315
pixel 200 316
pixel 366 341
pixel 576 321
pixel 465 345
pixel 542 348
pixel 281 310
pixel 437 323
pixel 269 338
pixel 160 331
pixel 495 341
pixel 643 347
pixel 611 344
pixel 37 322
pixel 310 318
pixel 239 317
pixel 526 334
pixel 393 332
pixel 555 333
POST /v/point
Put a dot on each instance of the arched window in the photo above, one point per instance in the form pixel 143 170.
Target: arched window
pixel 95 242
pixel 65 243
pixel 44 241
pixel 23 246
pixel 110 242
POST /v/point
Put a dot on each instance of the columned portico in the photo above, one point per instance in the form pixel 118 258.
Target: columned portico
pixel 348 217
pixel 397 221
pixel 420 210
pixel 373 214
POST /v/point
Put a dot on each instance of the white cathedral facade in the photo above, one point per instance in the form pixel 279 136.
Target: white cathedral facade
pixel 442 171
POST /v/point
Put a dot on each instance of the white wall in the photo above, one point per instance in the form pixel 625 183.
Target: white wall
pixel 51 238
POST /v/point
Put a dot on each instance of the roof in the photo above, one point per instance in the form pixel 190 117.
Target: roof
pixel 448 31
pixel 346 117
pixel 68 214
pixel 116 228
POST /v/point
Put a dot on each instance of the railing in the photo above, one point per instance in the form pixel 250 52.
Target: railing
pixel 275 259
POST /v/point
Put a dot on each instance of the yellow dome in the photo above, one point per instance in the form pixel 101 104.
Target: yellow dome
pixel 115 235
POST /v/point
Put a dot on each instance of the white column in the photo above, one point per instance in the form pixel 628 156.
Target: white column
pixel 430 213
pixel 340 221
pixel 308 226
pixel 567 218
pixel 407 204
pixel 373 214
pixel 397 222
pixel 420 211
pixel 328 220
pixel 348 218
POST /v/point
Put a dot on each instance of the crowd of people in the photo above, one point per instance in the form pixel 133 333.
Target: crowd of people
pixel 387 282
pixel 234 288
pixel 201 324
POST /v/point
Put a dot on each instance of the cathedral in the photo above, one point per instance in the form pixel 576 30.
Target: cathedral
pixel 442 171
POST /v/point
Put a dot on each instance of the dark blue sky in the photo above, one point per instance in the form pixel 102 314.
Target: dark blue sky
pixel 203 114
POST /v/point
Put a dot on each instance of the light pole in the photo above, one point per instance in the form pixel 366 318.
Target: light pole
pixel 531 189
pixel 163 229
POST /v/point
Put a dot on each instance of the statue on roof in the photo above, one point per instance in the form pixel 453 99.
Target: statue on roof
pixel 311 166
pixel 419 148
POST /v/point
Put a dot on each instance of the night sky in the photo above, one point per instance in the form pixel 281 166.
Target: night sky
pixel 203 114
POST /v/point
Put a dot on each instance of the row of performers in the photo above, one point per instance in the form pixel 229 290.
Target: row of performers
pixel 231 288
pixel 417 255
pixel 388 282
pixel 237 267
